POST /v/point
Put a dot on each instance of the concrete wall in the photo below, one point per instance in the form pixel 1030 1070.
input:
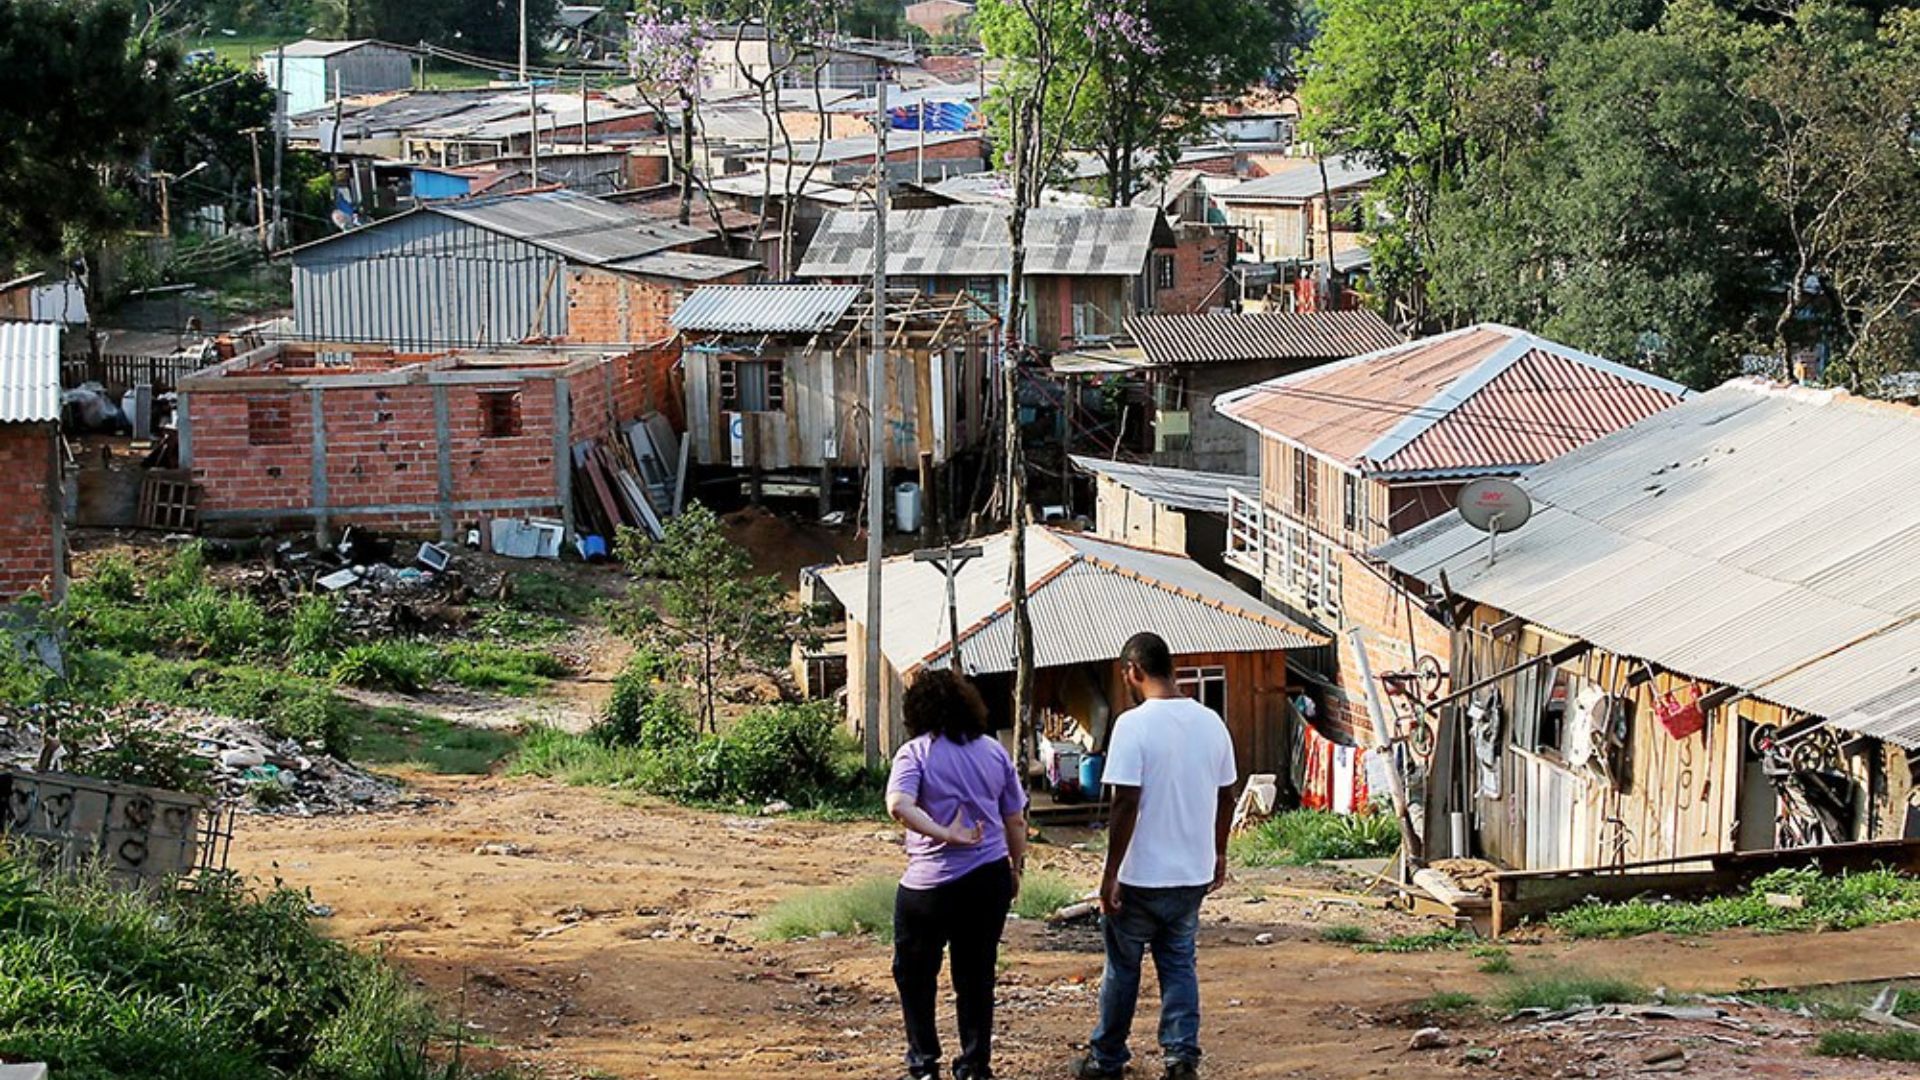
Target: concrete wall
pixel 32 536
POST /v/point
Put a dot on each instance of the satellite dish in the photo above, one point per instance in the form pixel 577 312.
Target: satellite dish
pixel 1494 506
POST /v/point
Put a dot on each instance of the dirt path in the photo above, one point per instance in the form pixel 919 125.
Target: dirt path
pixel 596 937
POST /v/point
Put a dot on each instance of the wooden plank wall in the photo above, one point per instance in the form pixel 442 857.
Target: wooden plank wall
pixel 1682 797
pixel 824 392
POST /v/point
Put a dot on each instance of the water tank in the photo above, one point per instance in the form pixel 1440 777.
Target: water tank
pixel 906 507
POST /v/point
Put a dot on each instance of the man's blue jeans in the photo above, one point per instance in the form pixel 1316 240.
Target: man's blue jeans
pixel 1165 921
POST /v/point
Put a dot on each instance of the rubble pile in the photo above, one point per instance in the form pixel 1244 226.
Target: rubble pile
pixel 382 588
pixel 245 765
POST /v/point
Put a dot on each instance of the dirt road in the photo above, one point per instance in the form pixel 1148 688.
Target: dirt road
pixel 584 936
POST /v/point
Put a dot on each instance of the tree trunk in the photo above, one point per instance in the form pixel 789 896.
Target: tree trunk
pixel 686 162
pixel 1024 196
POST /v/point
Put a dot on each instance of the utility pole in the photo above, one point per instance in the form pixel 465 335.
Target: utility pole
pixel 259 192
pixel 279 137
pixel 583 113
pixel 523 40
pixel 876 431
pixel 166 217
pixel 533 145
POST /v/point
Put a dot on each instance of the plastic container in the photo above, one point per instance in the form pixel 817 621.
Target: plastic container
pixel 1091 766
pixel 906 507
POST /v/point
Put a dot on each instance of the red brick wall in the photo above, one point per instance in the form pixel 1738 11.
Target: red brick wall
pixel 902 149
pixel 380 451
pixel 29 505
pixel 1197 283
pixel 604 308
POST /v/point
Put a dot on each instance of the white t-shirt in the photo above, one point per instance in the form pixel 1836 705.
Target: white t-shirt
pixel 1178 753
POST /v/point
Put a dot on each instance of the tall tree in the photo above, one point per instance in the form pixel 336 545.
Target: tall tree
pixel 215 104
pixel 80 95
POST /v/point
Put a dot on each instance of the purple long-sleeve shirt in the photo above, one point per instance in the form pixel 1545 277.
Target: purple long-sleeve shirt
pixel 945 777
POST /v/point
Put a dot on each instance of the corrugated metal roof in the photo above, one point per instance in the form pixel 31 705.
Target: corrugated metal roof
pixel 854 147
pixel 1069 576
pixel 1302 182
pixel 1180 489
pixel 582 228
pixel 1293 335
pixel 685 266
pixel 1487 398
pixel 764 309
pixel 29 373
pixel 971 241
pixel 317 47
pixel 1753 536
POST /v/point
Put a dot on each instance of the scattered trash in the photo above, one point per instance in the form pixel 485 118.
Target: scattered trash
pixel 1429 1038
pixel 1263 939
pixel 434 557
pixel 339 579
pixel 501 850
pixel 533 538
pixel 778 806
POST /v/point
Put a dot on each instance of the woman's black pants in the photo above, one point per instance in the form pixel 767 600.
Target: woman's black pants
pixel 964 916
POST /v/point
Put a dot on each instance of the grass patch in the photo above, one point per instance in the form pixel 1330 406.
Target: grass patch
pixel 1828 902
pixel 428 743
pixel 864 907
pixel 1343 934
pixel 1448 1002
pixel 1496 963
pixel 1879 1045
pixel 558 593
pixel 1302 837
pixel 1416 943
pixel 1043 892
pixel 216 982
pixel 500 669
pixel 1556 993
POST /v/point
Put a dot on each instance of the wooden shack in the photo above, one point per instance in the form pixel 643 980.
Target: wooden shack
pixel 776 376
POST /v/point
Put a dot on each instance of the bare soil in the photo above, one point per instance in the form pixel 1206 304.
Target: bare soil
pixel 581 935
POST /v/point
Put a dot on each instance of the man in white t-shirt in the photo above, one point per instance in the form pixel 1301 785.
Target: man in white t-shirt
pixel 1170 765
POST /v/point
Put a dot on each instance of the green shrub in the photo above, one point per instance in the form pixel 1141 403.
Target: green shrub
pixel 318 633
pixel 116 746
pixel 1300 837
pixel 1430 941
pixel 503 668
pixel 288 705
pixel 209 983
pixel 864 907
pixel 783 751
pixel 1042 893
pixel 1447 1001
pixel 115 578
pixel 1557 993
pixel 24 680
pixel 402 666
pixel 1343 934
pixel 642 710
pixel 207 621
pixel 185 572
pixel 1879 1045
pixel 1827 902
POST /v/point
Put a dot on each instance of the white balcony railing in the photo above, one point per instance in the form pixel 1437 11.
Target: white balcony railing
pixel 1290 559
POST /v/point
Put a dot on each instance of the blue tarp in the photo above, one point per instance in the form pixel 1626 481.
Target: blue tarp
pixel 940 116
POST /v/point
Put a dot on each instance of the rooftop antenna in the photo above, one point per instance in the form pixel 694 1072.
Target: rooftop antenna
pixel 1494 506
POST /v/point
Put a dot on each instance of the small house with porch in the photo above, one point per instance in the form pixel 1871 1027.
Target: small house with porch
pixel 1355 453
pixel 1086 596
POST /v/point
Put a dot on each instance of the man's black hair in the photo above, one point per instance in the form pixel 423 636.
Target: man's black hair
pixel 1148 652
pixel 939 700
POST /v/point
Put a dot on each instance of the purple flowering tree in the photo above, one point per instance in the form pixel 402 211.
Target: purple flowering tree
pixel 665 56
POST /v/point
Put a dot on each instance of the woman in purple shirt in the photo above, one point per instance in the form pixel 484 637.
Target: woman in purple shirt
pixel 962 875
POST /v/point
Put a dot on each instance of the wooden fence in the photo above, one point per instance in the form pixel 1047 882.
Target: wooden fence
pixel 120 372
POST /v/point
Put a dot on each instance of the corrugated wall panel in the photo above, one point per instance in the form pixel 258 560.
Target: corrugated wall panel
pixel 425 282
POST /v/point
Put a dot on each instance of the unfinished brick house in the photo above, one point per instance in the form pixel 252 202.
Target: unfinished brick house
pixel 322 437
pixel 33 550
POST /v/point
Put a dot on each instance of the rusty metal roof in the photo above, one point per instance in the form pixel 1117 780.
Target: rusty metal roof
pixel 1069 575
pixel 1302 182
pixel 1753 536
pixel 29 373
pixel 1488 398
pixel 1177 489
pixel 1291 335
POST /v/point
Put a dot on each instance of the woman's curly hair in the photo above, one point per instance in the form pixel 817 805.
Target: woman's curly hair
pixel 944 702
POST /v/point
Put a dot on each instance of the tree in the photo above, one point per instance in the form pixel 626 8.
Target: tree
pixel 215 104
pixel 80 95
pixel 1391 82
pixel 701 603
pixel 1157 63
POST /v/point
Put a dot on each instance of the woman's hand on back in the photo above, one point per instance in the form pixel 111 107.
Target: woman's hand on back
pixel 961 834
